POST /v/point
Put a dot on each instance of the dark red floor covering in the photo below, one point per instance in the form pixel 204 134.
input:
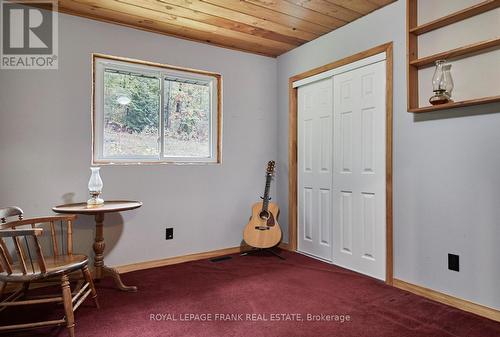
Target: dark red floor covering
pixel 262 285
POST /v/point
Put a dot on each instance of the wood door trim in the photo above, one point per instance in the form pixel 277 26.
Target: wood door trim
pixel 292 146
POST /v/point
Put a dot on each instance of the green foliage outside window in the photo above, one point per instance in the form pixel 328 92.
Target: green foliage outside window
pixel 142 112
pixel 133 128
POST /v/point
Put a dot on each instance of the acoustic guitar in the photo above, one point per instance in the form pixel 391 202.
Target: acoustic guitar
pixel 263 230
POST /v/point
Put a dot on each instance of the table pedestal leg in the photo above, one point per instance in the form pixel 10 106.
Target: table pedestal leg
pixel 99 246
pixel 118 280
pixel 99 267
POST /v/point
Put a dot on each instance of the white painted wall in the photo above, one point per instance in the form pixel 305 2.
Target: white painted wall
pixel 445 164
pixel 445 168
pixel 45 146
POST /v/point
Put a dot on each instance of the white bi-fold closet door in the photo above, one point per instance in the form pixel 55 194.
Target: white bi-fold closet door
pixel 341 168
pixel 315 150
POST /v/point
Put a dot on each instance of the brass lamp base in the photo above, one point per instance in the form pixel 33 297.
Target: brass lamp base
pixel 94 200
pixel 440 97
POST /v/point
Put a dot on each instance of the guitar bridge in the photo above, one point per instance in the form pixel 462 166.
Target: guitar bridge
pixel 262 228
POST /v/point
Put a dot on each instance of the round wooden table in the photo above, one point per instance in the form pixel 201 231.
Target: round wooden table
pixel 99 245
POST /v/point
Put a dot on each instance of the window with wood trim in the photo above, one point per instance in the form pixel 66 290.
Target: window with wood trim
pixel 152 113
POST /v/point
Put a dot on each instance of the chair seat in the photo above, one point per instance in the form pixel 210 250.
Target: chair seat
pixel 55 265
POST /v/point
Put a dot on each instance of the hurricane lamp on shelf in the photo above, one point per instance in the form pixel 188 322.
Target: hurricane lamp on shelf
pixel 95 188
pixel 442 83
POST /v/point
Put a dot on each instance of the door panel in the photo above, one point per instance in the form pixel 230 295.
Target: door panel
pixel 359 118
pixel 315 168
pixel 307 214
pixel 325 221
pixel 345 222
pixel 368 225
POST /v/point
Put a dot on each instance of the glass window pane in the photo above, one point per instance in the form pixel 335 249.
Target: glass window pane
pixel 131 111
pixel 187 119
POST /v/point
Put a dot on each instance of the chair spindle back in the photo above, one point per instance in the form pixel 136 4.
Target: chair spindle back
pixel 27 256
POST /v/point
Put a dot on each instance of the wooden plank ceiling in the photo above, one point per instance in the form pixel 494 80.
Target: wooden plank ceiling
pixel 266 27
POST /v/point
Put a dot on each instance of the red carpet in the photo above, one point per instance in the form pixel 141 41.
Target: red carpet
pixel 266 287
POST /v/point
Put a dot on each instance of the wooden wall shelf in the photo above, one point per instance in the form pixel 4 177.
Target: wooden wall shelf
pixel 482 7
pixel 415 63
pixel 455 53
pixel 460 104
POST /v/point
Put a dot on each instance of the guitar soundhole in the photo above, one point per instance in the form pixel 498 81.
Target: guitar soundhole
pixel 264 215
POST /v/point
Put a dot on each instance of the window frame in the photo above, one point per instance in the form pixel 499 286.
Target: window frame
pixel 162 71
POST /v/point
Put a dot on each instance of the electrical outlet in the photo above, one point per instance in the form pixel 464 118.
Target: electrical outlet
pixel 169 234
pixel 453 262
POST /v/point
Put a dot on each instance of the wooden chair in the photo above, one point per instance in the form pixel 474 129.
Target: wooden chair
pixel 30 265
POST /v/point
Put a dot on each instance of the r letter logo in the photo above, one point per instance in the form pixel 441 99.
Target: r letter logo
pixel 29 34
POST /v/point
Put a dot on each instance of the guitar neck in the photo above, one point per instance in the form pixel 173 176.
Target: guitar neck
pixel 265 203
